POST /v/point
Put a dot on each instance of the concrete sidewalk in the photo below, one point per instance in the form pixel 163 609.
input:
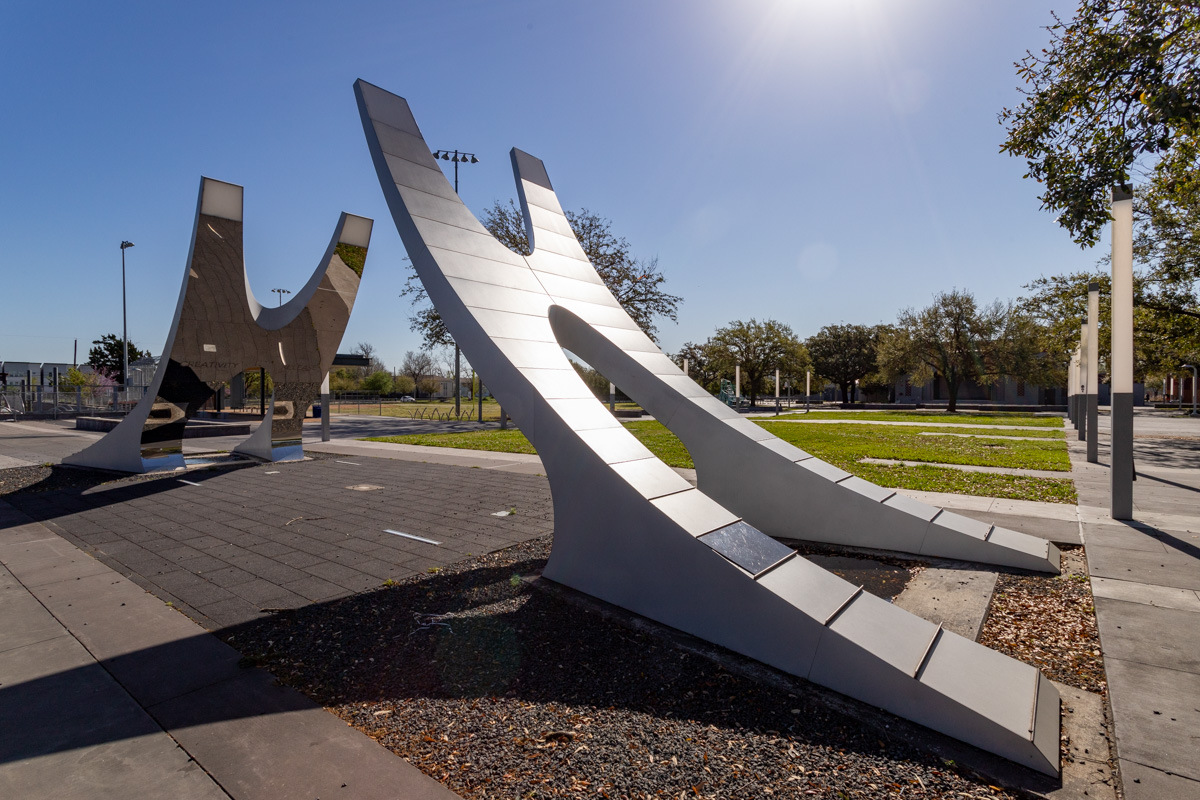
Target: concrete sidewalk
pixel 1146 585
pixel 116 695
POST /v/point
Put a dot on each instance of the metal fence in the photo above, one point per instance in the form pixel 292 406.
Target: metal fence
pixel 441 409
pixel 46 401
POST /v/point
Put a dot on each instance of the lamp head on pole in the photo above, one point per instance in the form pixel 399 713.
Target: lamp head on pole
pixel 126 245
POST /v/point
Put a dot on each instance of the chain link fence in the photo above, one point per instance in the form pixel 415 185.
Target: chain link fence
pixel 47 401
pixel 442 410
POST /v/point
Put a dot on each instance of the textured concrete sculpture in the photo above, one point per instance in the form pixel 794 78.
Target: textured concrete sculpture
pixel 631 531
pixel 220 329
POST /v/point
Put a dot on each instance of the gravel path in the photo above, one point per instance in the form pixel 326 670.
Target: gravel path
pixel 500 690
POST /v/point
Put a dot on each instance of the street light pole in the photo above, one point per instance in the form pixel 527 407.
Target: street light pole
pixel 281 293
pixel 124 323
pixel 456 157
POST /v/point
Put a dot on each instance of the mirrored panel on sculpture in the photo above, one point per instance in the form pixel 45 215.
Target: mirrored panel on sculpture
pixel 220 329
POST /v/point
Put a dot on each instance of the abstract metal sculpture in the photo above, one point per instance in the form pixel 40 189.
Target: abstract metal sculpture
pixel 220 329
pixel 631 531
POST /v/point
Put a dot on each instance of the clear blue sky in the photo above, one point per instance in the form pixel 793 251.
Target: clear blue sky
pixel 814 162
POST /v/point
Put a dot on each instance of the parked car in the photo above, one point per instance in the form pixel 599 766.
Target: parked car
pixel 407 399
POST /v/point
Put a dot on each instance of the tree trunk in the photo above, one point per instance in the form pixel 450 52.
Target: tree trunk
pixel 952 406
pixel 846 396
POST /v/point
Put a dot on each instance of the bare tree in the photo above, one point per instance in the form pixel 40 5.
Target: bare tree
pixel 367 351
pixel 636 283
pixel 417 365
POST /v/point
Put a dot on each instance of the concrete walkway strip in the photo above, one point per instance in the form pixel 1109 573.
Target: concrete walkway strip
pixel 1146 594
pixel 1027 473
pixel 990 436
pixel 79 642
pixel 1146 520
pixel 1145 577
pixel 916 424
pixel 957 599
pixel 523 463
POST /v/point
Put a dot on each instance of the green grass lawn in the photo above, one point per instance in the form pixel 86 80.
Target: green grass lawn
pixel 842 446
pixel 506 441
pixel 848 443
pixel 933 416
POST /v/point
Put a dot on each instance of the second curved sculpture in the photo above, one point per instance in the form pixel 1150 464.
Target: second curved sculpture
pixel 220 329
pixel 631 531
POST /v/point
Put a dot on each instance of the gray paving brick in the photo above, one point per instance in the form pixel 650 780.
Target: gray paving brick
pixel 316 589
pixel 229 576
pixel 233 611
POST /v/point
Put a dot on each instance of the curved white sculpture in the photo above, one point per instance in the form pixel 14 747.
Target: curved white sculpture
pixel 220 329
pixel 631 531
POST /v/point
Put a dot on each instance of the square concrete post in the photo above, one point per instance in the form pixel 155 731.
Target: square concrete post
pixel 1121 364
pixel 326 411
pixel 1081 388
pixel 1071 389
pixel 1076 380
pixel 1093 369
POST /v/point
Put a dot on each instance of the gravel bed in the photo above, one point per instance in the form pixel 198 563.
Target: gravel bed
pixel 55 477
pixel 500 690
pixel 1049 622
pixel 44 478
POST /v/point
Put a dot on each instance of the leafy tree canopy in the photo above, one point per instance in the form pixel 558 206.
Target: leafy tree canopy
pixel 759 348
pixel 960 341
pixel 379 382
pixel 1117 88
pixel 842 354
pixel 704 365
pixel 106 354
pixel 1161 341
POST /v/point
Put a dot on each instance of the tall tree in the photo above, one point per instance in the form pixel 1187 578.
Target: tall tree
pixel 594 380
pixel 1161 341
pixel 417 365
pixel 1117 89
pixel 379 382
pixel 842 354
pixel 703 364
pixel 959 341
pixel 759 348
pixel 375 363
pixel 106 356
pixel 638 284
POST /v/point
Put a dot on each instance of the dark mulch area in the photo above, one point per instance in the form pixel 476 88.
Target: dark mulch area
pixel 42 479
pixel 1049 622
pixel 498 689
pixel 55 477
